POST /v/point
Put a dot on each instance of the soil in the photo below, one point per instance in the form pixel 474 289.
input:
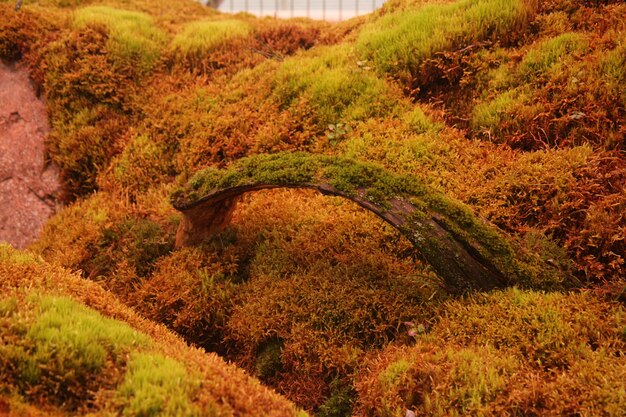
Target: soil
pixel 29 185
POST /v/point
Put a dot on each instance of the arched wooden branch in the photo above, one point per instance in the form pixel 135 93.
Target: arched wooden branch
pixel 466 252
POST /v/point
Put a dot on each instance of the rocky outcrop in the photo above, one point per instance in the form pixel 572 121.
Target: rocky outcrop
pixel 28 184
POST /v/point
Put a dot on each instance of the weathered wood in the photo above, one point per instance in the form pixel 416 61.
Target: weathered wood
pixel 467 252
pixel 460 266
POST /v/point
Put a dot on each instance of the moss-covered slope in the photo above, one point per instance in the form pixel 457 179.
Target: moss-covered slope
pixel 549 354
pixel 513 108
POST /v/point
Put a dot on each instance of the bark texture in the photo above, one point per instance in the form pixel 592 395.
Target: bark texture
pixel 457 261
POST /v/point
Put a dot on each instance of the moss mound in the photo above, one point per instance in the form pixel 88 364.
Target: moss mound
pixel 70 345
pixel 400 43
pixel 514 352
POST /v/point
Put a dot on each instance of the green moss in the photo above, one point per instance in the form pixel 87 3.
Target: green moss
pixel 613 71
pixel 142 164
pixel 134 39
pixel 550 55
pixel 389 377
pixel 8 254
pixel 70 336
pixel 62 349
pixel 155 385
pixel 268 361
pixel 477 379
pixel 418 122
pixel 339 403
pixel 200 38
pixel 298 169
pixel 398 43
pixel 487 117
pixel 8 307
pixel 337 90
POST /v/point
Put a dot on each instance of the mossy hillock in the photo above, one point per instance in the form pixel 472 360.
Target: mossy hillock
pixel 70 345
pixel 535 359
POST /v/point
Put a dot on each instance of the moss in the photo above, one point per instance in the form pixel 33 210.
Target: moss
pixel 499 352
pixel 339 403
pixel 398 43
pixel 61 352
pixel 155 385
pixel 613 72
pixel 418 122
pixel 200 38
pixel 142 164
pixel 331 282
pixel 144 242
pixel 389 377
pixel 69 235
pixel 82 145
pixel 328 279
pixel 134 40
pixel 8 306
pixel 299 169
pixel 372 181
pixel 203 283
pixel 546 99
pixel 493 117
pixel 26 32
pixel 268 361
pixel 67 328
pixel 17 257
pixel 549 55
pixel 333 86
pixel 215 47
pixel 67 349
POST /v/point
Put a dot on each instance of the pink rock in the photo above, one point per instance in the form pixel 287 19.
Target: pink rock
pixel 28 186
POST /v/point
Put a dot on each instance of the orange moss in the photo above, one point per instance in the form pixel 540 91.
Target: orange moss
pixel 291 271
pixel 512 352
pixel 129 132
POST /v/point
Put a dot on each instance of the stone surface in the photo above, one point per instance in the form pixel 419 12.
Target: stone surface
pixel 29 186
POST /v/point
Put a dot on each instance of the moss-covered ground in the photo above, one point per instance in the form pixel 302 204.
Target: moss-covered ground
pixel 516 109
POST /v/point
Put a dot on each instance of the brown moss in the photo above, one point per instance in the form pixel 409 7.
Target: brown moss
pixel 275 276
pixel 283 38
pixel 192 292
pixel 22 33
pixel 326 283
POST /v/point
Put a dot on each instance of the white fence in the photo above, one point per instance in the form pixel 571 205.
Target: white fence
pixel 331 10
